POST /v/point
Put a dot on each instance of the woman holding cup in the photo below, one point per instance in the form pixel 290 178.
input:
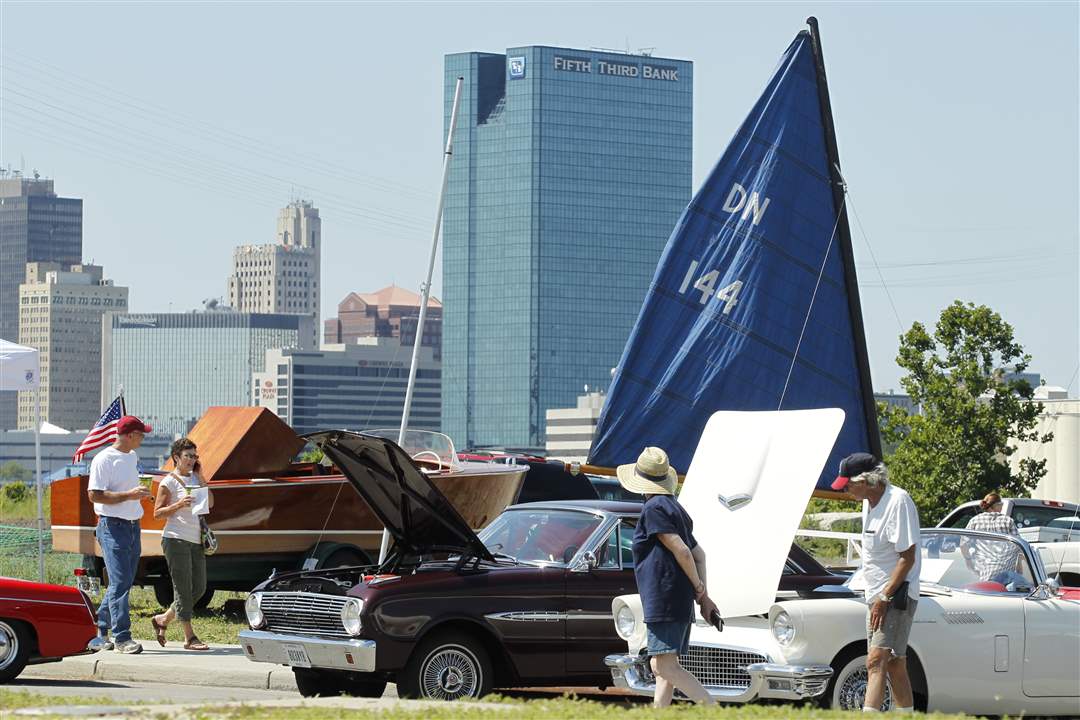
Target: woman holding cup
pixel 181 542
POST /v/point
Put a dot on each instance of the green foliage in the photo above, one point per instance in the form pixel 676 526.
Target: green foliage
pixel 16 491
pixel 12 471
pixel 311 455
pixel 958 447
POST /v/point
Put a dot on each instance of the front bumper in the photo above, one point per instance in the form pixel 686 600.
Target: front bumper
pixel 270 647
pixel 767 680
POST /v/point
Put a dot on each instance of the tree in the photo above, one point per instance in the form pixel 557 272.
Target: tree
pixel 957 447
pixel 12 471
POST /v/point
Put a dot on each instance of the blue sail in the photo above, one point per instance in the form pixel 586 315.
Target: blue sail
pixel 760 251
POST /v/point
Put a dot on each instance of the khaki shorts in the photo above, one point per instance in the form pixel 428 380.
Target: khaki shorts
pixel 893 633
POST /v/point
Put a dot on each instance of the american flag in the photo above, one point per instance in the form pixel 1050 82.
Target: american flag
pixel 104 430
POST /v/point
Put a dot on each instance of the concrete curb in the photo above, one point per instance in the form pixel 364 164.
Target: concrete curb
pixel 221 666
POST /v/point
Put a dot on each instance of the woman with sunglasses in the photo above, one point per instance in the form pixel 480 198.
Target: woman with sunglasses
pixel 181 542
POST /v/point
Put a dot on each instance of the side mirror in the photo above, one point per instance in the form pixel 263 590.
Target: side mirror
pixel 586 563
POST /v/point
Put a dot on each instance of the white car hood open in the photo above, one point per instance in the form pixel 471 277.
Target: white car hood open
pixel 746 490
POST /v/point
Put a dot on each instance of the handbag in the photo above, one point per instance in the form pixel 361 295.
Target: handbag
pixel 209 539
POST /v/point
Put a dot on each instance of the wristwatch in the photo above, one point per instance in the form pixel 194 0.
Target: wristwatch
pixel 886 598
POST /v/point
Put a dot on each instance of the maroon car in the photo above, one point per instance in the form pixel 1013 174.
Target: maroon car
pixel 450 613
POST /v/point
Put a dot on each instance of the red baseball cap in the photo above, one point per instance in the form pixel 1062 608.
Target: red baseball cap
pixel 854 465
pixel 130 423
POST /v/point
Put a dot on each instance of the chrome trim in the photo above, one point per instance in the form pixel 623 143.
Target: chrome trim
pixel 767 680
pixel 268 647
pixel 47 602
pixel 527 616
pixel 961 617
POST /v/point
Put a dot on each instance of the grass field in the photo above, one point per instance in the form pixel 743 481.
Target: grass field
pixel 490 708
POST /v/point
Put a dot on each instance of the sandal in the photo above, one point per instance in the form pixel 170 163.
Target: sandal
pixel 159 630
pixel 196 644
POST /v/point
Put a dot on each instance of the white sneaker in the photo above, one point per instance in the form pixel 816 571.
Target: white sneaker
pixel 100 643
pixel 128 647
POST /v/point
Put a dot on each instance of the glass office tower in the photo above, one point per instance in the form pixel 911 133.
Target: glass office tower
pixel 570 170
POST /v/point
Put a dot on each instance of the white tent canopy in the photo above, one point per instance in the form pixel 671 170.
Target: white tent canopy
pixel 19 370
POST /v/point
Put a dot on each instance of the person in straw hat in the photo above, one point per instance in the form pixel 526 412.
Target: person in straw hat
pixel 669 567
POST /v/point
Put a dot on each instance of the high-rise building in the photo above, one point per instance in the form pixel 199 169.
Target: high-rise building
pixel 35 225
pixel 60 309
pixel 390 312
pixel 173 366
pixel 283 277
pixel 570 430
pixel 570 169
pixel 359 386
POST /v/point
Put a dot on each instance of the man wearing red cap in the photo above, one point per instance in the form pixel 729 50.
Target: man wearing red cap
pixel 117 494
pixel 891 565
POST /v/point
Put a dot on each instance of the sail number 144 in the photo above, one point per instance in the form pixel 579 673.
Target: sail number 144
pixel 706 284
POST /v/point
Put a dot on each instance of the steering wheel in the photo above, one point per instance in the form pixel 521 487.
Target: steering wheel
pixel 432 453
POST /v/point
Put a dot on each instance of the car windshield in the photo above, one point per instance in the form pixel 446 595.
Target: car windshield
pixel 544 536
pixel 975 562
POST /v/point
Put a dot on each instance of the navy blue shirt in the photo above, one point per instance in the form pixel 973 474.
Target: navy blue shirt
pixel 666 592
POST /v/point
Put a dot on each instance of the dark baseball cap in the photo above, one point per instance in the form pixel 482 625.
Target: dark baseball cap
pixel 854 465
pixel 130 423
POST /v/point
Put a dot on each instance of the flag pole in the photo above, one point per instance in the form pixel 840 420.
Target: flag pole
pixel 426 290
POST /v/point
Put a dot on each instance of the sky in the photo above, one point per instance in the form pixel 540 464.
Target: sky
pixel 186 126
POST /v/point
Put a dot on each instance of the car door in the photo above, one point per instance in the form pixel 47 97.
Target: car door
pixel 590 630
pixel 1051 639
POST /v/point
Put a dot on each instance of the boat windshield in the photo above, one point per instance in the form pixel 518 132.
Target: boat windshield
pixel 430 449
pixel 540 536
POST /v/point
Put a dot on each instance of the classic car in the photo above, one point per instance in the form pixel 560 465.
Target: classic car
pixel 977 646
pixel 42 623
pixel 450 613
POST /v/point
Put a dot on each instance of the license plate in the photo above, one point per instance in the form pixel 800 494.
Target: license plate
pixel 296 655
pixel 89 585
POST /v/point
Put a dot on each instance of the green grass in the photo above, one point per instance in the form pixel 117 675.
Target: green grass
pixel 24 512
pixel 519 709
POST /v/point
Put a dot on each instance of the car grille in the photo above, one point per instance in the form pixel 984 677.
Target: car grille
pixel 720 667
pixel 299 612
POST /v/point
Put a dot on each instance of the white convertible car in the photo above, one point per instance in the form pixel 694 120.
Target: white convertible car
pixel 977 646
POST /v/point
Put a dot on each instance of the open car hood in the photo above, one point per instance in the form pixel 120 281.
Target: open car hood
pixel 418 516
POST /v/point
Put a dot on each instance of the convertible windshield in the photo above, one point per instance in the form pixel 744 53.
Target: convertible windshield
pixel 975 562
pixel 539 535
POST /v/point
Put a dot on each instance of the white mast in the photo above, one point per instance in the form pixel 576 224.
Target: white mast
pixel 426 288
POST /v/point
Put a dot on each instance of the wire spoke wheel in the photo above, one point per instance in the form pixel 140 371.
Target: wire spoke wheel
pixel 450 672
pixel 9 645
pixel 850 691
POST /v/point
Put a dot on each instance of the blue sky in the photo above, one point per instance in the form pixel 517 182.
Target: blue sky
pixel 184 126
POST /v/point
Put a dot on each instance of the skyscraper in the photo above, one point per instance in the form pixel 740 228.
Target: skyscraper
pixel 390 312
pixel 60 309
pixel 570 170
pixel 283 277
pixel 35 225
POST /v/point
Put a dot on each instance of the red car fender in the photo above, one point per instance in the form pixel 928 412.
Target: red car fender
pixel 61 618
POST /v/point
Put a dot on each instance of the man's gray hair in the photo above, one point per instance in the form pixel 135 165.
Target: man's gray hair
pixel 875 478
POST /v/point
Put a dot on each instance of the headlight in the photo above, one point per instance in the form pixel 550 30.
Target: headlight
pixel 625 622
pixel 350 615
pixel 254 613
pixel 783 629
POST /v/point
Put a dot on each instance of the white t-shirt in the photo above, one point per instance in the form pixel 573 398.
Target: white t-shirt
pixel 889 528
pixel 116 471
pixel 182 524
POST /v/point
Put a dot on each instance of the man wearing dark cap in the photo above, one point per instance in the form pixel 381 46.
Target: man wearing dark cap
pixel 890 567
pixel 117 494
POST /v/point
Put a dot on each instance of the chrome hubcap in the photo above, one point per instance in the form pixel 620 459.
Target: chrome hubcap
pixel 450 672
pixel 9 645
pixel 852 691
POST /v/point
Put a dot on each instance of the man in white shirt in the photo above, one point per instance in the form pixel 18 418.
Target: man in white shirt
pixel 892 560
pixel 117 494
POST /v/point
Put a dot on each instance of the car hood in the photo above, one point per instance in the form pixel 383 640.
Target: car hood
pixel 414 512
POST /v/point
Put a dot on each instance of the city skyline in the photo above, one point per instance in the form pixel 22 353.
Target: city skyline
pixel 939 137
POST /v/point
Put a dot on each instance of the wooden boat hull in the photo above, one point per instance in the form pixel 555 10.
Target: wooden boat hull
pixel 286 515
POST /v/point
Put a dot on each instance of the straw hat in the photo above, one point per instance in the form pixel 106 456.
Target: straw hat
pixel 652 474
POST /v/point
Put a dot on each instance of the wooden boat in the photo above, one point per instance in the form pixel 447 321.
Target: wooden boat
pixel 270 513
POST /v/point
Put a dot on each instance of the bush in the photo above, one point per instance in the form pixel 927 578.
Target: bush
pixel 16 491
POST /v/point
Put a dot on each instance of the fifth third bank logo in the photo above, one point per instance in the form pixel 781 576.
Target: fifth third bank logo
pixel 517 67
